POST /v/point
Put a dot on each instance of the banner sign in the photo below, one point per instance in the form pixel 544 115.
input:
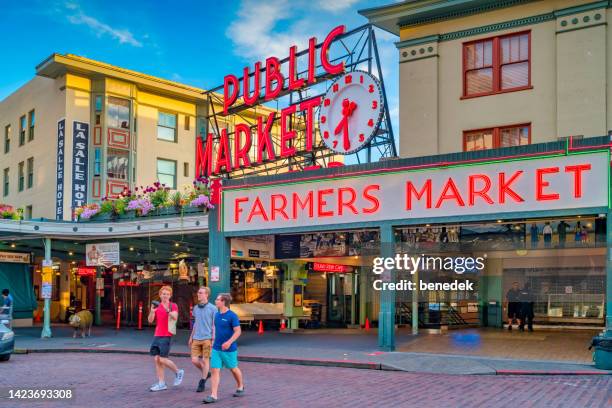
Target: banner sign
pixel 14 257
pixel 59 190
pixel 80 143
pixel 47 272
pixel 102 254
pixel 551 183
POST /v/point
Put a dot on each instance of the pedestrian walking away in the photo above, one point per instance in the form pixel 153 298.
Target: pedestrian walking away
pixel 165 315
pixel 514 306
pixel 225 351
pixel 200 340
pixel 526 299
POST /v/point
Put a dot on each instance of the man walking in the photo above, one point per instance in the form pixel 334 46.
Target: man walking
pixel 200 340
pixel 513 304
pixel 225 352
pixel 526 299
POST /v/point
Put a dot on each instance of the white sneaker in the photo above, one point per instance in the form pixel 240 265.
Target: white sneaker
pixel 158 387
pixel 178 379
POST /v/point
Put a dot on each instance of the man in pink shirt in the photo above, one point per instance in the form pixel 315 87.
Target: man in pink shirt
pixel 161 312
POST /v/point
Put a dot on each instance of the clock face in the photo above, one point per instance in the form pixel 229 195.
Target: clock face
pixel 351 112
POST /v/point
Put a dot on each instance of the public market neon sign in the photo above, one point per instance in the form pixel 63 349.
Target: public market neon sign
pixel 230 157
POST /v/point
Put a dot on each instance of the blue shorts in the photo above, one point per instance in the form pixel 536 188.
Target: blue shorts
pixel 224 359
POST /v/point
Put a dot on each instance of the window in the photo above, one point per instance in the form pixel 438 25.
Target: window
pixel 21 176
pixel 28 212
pixel 496 65
pixel 494 138
pixel 166 172
pixel 5 190
pixel 117 163
pixel 7 139
pixel 166 126
pixel 32 122
pixel 187 120
pixel 22 128
pixel 185 169
pixel 118 113
pixel 30 172
pixel 97 161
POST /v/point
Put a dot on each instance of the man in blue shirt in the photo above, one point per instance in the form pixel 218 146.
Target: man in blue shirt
pixel 7 300
pixel 224 350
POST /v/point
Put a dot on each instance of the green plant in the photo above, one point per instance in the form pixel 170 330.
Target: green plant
pixel 107 207
pixel 120 206
pixel 176 199
pixel 159 197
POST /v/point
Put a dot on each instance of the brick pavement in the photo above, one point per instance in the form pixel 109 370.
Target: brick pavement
pixel 109 380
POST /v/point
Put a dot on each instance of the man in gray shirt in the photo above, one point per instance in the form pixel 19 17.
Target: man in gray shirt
pixel 201 336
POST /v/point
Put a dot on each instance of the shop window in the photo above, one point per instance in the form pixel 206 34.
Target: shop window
pixel 118 113
pixel 497 65
pixel 28 212
pixel 117 163
pixel 21 176
pixel 7 139
pixel 31 123
pixel 22 130
pixel 30 172
pixel 166 126
pixel 5 189
pixel 497 137
pixel 166 172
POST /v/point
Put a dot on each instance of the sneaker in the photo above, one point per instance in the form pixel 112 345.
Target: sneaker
pixel 209 400
pixel 201 385
pixel 178 379
pixel 239 393
pixel 158 387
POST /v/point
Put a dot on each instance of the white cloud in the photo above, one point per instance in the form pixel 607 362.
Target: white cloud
pixel 335 5
pixel 124 36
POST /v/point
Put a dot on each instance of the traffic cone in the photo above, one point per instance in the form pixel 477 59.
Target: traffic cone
pixel 283 326
pixel 367 324
pixel 37 317
pixel 261 330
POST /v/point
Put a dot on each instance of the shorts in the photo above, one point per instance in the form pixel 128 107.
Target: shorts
pixel 514 310
pixel 224 359
pixel 160 346
pixel 201 348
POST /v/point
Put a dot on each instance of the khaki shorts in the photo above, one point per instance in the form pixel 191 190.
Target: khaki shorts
pixel 201 348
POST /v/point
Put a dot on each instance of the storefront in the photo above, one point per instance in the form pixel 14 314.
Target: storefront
pixel 536 214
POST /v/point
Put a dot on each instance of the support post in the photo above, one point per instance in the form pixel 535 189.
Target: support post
pixel 219 257
pixel 46 331
pixel 98 316
pixel 386 316
pixel 415 304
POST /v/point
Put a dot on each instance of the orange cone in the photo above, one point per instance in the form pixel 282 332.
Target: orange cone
pixel 37 317
pixel 261 330
pixel 283 326
pixel 367 324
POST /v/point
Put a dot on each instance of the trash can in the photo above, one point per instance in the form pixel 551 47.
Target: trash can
pixel 493 317
pixel 602 356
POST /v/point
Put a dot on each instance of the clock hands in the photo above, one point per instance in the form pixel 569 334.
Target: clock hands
pixel 348 107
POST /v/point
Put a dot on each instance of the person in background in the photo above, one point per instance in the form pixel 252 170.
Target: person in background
pixel 513 305
pixel 225 352
pixel 6 307
pixel 534 235
pixel 547 233
pixel 161 312
pixel 200 340
pixel 526 299
pixel 562 231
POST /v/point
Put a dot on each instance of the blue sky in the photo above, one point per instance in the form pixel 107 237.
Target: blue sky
pixel 194 42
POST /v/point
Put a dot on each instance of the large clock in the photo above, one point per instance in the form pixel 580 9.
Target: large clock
pixel 351 112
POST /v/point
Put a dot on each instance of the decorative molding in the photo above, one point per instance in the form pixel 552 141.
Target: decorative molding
pixel 418 52
pixel 521 22
pixel 418 41
pixel 581 9
pixel 593 17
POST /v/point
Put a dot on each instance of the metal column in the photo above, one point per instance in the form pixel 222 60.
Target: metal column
pixel 219 256
pixel 46 331
pixel 386 316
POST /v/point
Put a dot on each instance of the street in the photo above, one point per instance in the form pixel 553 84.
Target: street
pixel 122 380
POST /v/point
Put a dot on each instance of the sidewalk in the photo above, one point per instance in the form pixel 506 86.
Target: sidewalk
pixel 352 349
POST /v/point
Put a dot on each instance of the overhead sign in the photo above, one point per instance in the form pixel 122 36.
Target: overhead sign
pixel 59 190
pixel 560 182
pixel 14 257
pixel 335 268
pixel 80 146
pixel 102 254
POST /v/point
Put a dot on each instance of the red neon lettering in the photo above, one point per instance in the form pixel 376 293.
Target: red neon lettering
pixel 482 192
pixel 419 194
pixel 257 209
pixel 279 209
pixel 223 153
pixel 204 156
pixel 504 187
pixel 454 195
pixel 312 47
pixel 309 107
pixel 273 73
pixel 541 184
pixel 287 135
pixel 294 82
pixel 322 203
pixel 577 170
pixel 350 204
pixel 264 141
pixel 230 98
pixel 371 198
pixel 250 100
pixel 302 204
pixel 241 152
pixel 238 209
pixel 327 66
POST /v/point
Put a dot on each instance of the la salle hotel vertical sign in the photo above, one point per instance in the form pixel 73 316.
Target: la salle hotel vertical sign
pixel 59 190
pixel 80 143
